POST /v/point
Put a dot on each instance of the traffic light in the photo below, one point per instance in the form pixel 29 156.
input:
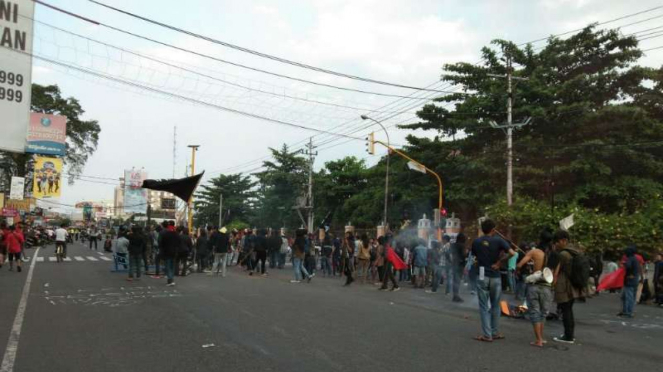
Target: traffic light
pixel 370 143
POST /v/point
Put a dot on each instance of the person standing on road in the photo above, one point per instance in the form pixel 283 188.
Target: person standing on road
pixel 336 256
pixel 273 247
pixel 92 235
pixel 186 246
pixel 539 294
pixel 201 250
pixel 122 247
pixel 326 256
pixel 347 252
pixel 298 254
pixel 439 262
pixel 168 248
pixel 445 260
pixel 13 241
pixel 136 250
pixel 490 252
pixel 220 245
pixel 565 292
pixel 363 257
pixel 260 247
pixel 420 261
pixel 391 263
pixel 458 256
pixel 632 278
pixel 61 239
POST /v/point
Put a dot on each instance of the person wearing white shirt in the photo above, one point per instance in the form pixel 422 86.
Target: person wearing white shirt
pixel 61 239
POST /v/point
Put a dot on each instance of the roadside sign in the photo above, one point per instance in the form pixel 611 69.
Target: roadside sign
pixel 16 19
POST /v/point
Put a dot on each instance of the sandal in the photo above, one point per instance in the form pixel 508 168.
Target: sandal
pixel 499 337
pixel 483 338
pixel 533 343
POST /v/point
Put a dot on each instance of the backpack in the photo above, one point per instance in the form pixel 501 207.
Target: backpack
pixel 284 246
pixel 580 269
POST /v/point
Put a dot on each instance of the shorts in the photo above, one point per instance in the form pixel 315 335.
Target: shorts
pixel 16 256
pixel 419 270
pixel 538 301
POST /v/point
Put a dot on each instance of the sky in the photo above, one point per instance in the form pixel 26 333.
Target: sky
pixel 397 41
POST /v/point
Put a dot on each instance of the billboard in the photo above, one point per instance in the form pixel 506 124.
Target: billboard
pixel 135 196
pixel 47 177
pixel 168 203
pixel 47 134
pixel 17 188
pixel 15 72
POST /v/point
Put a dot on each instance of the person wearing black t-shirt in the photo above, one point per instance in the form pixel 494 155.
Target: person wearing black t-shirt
pixel 490 251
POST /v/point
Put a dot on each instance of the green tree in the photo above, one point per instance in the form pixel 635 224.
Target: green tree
pixel 279 185
pixel 335 184
pixel 238 194
pixel 82 135
pixel 595 136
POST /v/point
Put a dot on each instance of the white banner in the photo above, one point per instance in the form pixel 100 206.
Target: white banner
pixel 15 72
pixel 17 188
pixel 566 223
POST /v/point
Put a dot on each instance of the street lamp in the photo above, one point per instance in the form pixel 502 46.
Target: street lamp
pixel 386 178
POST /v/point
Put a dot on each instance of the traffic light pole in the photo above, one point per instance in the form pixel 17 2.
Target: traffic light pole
pixel 386 178
pixel 437 177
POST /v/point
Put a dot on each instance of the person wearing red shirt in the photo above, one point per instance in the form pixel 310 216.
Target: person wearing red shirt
pixel 14 241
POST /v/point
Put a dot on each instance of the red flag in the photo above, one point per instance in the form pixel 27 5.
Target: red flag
pixel 614 280
pixel 395 260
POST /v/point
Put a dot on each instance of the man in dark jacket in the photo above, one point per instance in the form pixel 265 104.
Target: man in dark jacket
pixel 260 247
pixel 273 248
pixel 220 244
pixel 168 247
pixel 631 280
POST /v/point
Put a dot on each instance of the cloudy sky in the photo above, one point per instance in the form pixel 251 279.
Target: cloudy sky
pixel 398 41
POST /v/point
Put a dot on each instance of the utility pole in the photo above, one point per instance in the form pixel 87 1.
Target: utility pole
pixel 311 158
pixel 371 150
pixel 220 210
pixel 194 148
pixel 509 126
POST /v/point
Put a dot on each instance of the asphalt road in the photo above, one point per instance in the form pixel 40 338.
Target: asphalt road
pixel 80 316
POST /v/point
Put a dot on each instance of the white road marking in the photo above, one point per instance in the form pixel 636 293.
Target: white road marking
pixel 79 258
pixel 40 259
pixel 52 259
pixel 105 258
pixel 100 253
pixel 12 345
pixel 68 259
pixel 92 258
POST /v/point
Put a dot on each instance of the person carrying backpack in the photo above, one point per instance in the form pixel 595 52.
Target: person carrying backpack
pixel 570 282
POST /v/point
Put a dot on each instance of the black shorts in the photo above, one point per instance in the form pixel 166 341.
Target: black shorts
pixel 16 256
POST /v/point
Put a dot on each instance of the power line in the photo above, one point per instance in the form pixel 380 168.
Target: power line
pixel 189 70
pixel 602 23
pixel 219 59
pixel 184 98
pixel 260 54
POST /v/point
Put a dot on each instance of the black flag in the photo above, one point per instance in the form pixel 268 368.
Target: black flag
pixel 183 188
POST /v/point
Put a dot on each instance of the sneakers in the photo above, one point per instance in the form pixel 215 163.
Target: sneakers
pixel 429 291
pixel 396 289
pixel 457 299
pixel 564 340
pixel 156 276
pixel 19 269
pixel 172 284
pixel 295 281
pixel 310 277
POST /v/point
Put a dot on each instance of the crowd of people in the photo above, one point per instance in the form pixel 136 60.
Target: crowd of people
pixel 489 265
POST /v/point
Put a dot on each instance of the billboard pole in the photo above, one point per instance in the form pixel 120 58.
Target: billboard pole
pixel 194 148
